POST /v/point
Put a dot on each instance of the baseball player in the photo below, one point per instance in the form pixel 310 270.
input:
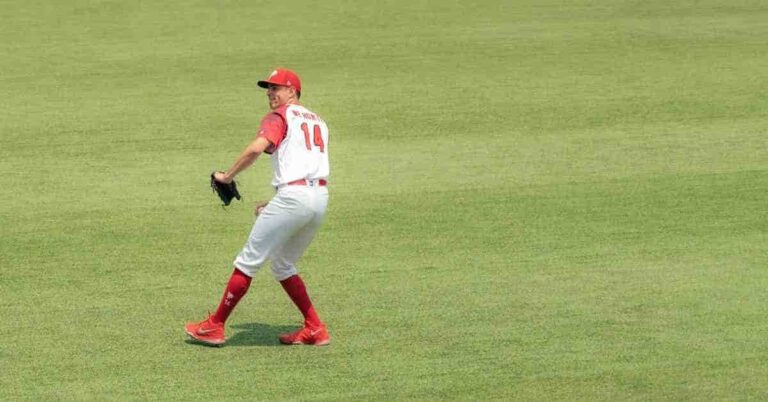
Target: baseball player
pixel 297 140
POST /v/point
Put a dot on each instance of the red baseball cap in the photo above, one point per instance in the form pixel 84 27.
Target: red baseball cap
pixel 283 77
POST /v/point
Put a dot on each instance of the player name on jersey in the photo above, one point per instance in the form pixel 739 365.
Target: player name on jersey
pixel 307 115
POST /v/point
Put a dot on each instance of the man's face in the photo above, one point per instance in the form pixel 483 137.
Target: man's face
pixel 278 95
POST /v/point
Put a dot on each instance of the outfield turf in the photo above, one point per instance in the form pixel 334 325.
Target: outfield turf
pixel 537 200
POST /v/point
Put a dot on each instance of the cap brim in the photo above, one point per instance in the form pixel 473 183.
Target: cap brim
pixel 266 84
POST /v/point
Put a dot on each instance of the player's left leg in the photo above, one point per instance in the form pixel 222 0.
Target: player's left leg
pixel 211 330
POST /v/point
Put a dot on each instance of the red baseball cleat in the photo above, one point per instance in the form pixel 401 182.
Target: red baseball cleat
pixel 307 336
pixel 206 332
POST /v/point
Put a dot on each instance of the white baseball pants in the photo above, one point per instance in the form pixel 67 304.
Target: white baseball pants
pixel 283 231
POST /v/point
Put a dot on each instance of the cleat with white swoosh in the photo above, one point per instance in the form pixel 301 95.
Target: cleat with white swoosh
pixel 307 336
pixel 206 332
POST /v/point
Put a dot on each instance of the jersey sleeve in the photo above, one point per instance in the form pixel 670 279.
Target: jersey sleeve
pixel 274 129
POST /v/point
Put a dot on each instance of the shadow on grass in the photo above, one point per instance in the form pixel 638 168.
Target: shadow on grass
pixel 253 334
pixel 258 334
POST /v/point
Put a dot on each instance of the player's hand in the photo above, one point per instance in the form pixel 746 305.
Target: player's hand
pixel 222 177
pixel 260 208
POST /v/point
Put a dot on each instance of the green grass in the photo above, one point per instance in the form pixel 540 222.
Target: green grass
pixel 537 200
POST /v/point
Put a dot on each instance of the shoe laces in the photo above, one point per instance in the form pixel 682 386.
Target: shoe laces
pixel 207 320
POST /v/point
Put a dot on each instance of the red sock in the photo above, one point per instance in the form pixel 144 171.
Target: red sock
pixel 237 287
pixel 296 290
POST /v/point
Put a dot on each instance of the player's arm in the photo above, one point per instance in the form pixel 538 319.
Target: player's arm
pixel 246 159
pixel 271 133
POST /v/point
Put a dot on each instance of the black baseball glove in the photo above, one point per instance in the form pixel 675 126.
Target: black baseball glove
pixel 225 191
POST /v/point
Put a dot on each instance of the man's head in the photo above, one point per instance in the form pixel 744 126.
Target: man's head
pixel 283 87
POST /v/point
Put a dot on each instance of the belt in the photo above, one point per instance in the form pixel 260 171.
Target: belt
pixel 305 182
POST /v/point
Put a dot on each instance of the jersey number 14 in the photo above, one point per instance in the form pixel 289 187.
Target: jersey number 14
pixel 317 137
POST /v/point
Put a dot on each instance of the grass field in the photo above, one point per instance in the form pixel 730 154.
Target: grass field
pixel 533 200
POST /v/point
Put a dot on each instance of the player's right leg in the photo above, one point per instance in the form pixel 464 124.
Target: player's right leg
pixel 284 260
pixel 284 269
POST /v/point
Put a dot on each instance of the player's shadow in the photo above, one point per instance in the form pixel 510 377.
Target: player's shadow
pixel 258 334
